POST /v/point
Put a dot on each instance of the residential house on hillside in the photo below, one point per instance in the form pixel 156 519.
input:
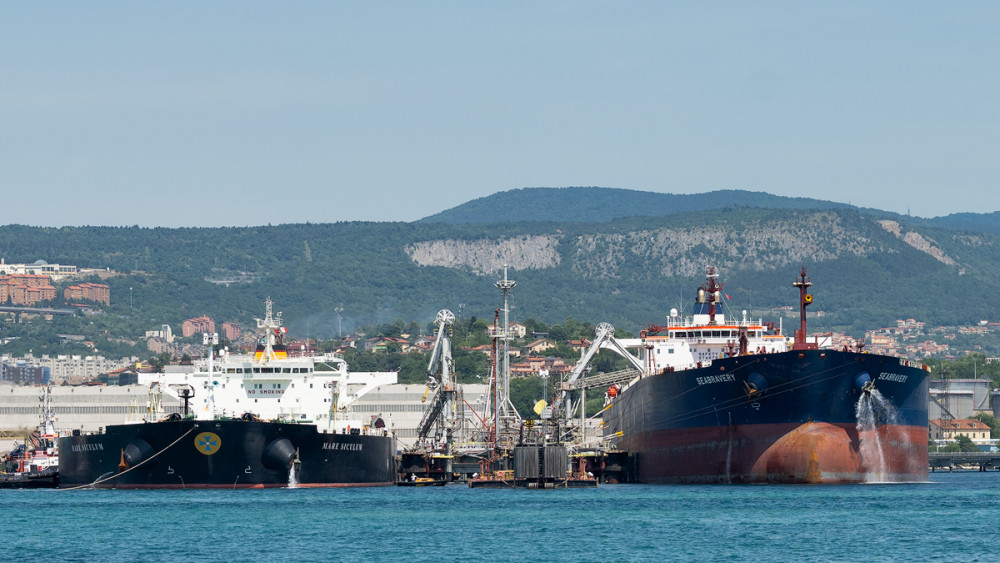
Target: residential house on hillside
pixel 518 330
pixel 300 348
pixel 421 348
pixel 382 343
pixel 484 348
pixel 539 345
pixel 533 365
pixel 425 341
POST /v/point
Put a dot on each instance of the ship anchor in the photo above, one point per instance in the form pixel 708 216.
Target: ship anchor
pixel 867 388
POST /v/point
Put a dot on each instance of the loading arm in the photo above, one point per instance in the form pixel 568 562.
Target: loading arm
pixel 440 361
pixel 604 338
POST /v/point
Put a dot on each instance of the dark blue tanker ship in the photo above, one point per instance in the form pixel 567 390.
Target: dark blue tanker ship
pixel 736 402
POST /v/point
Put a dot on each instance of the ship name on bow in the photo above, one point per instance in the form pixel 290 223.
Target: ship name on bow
pixel 342 446
pixel 894 377
pixel 721 378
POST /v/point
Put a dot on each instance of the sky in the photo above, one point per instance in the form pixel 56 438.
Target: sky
pixel 247 113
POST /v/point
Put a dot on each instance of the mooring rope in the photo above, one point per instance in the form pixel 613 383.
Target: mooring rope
pixel 136 466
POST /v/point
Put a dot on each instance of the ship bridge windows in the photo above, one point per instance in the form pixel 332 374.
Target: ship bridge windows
pixel 703 334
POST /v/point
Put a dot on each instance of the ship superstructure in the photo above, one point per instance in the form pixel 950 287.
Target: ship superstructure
pixel 272 384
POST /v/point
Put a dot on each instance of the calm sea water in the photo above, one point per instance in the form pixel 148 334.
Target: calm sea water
pixel 954 517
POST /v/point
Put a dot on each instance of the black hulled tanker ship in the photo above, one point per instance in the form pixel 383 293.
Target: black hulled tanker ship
pixel 735 402
pixel 249 421
pixel 231 453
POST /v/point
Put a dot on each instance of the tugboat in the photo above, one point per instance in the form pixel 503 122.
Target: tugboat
pixel 735 401
pixel 249 421
pixel 34 464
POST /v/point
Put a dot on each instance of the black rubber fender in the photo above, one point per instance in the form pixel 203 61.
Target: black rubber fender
pixel 757 382
pixel 278 454
pixel 862 379
pixel 137 451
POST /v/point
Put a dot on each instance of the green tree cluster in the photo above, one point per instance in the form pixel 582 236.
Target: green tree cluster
pixel 962 443
pixel 969 366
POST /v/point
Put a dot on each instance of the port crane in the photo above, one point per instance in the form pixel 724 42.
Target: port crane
pixel 441 410
pixel 572 396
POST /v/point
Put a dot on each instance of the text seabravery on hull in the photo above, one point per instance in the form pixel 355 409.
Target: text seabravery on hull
pixel 266 420
pixel 733 401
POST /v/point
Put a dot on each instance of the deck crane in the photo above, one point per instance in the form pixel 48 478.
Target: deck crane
pixel 442 407
pixel 572 397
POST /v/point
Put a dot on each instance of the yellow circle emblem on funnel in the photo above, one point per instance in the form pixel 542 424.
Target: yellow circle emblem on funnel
pixel 207 442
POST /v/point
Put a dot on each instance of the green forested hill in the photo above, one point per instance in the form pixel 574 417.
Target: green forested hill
pixel 593 204
pixel 867 271
pixel 973 222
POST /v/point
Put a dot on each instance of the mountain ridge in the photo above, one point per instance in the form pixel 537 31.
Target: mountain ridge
pixel 589 204
pixel 601 204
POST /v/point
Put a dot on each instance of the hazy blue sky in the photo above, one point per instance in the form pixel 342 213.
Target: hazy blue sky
pixel 248 113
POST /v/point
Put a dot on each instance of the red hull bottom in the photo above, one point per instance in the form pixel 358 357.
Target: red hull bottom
pixel 813 452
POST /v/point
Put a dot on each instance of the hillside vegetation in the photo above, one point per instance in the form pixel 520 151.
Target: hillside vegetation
pixel 868 269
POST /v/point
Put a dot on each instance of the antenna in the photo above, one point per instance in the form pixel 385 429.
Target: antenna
pixel 340 317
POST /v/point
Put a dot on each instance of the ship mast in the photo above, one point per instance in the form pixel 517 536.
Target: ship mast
pixel 710 293
pixel 47 427
pixel 270 324
pixel 805 299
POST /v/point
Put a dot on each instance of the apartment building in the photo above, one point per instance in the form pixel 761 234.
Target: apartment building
pixel 197 325
pixel 97 292
pixel 26 289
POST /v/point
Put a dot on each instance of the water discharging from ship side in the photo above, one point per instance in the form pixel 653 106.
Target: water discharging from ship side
pixel 878 421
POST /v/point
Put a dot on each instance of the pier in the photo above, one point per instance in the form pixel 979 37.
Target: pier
pixel 950 460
